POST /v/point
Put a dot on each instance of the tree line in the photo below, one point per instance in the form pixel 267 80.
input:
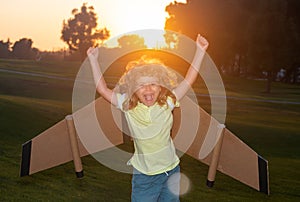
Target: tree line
pixel 247 37
pixel 21 49
pixel 79 33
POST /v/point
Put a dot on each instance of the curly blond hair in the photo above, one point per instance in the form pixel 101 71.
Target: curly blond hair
pixel 150 67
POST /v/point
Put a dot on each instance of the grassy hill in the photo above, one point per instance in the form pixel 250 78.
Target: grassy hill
pixel 31 103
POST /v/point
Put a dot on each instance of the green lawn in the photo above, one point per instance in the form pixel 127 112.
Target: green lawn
pixel 31 104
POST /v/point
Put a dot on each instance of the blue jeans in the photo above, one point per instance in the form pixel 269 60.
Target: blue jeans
pixel 151 188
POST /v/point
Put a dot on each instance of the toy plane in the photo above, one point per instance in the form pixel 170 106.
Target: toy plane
pixel 60 144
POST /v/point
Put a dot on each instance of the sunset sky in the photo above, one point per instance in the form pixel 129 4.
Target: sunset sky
pixel 41 20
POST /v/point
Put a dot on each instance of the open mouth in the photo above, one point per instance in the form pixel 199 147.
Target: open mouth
pixel 148 97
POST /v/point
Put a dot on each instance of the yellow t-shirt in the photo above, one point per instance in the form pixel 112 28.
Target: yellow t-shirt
pixel 150 128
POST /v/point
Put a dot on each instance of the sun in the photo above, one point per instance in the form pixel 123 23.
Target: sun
pixel 132 15
pixel 151 17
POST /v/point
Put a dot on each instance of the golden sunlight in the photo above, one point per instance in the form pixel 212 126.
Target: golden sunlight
pixel 44 27
pixel 140 15
pixel 133 15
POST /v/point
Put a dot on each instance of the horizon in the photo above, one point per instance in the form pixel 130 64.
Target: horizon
pixel 44 29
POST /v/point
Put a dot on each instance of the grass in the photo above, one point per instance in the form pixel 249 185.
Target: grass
pixel 30 104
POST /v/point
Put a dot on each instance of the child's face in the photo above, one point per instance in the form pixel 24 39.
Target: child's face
pixel 148 93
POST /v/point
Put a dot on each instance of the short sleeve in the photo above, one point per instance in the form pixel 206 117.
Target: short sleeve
pixel 171 104
pixel 120 100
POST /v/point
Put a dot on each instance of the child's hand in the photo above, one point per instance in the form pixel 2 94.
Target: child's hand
pixel 93 53
pixel 202 42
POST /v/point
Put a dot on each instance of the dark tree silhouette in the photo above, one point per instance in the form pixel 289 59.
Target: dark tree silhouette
pixel 221 23
pixel 4 49
pixel 267 34
pixel 263 34
pixel 22 49
pixel 81 31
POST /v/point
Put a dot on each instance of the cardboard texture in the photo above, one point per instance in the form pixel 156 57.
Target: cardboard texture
pixel 196 138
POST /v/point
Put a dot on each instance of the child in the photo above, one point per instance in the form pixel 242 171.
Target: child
pixel 150 93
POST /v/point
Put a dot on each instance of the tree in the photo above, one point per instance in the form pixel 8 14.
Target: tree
pixel 82 32
pixel 132 41
pixel 221 23
pixel 5 49
pixel 293 41
pixel 256 35
pixel 267 34
pixel 23 49
pixel 171 40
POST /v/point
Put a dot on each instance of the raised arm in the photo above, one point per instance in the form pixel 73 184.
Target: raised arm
pixel 100 83
pixel 193 70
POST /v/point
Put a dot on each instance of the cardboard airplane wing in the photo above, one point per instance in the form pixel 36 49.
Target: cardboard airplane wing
pixel 211 143
pixel 219 148
pixel 60 143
